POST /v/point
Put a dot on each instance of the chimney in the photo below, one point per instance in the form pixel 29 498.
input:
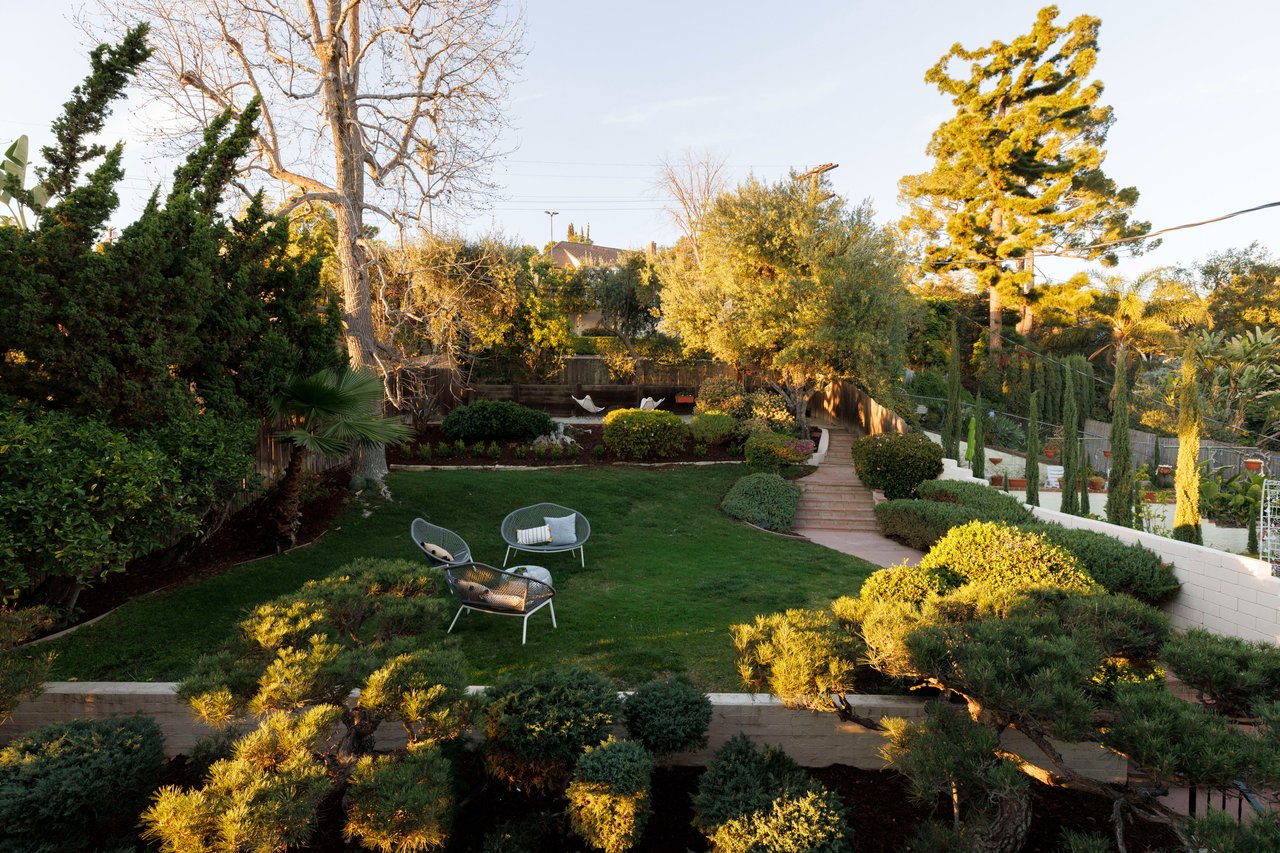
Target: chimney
pixel 653 249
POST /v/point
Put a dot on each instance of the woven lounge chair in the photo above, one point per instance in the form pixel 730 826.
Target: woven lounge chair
pixel 489 590
pixel 424 533
pixel 535 516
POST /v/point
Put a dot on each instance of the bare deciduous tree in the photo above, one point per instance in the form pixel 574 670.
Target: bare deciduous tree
pixel 381 107
pixel 691 184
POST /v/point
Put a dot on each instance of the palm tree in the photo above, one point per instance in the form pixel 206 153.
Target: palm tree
pixel 1245 370
pixel 330 413
pixel 1143 315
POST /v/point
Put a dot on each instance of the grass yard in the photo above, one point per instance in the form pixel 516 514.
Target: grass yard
pixel 666 575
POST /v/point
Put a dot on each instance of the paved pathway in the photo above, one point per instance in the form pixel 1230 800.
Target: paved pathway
pixel 836 509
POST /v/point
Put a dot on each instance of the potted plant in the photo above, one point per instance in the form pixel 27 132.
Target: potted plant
pixel 1106 453
pixel 1017 482
pixel 996 460
pixel 1253 464
pixel 997 480
pixel 684 399
pixel 1165 470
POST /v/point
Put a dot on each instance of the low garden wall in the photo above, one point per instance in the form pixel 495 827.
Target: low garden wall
pixel 813 739
pixel 1221 592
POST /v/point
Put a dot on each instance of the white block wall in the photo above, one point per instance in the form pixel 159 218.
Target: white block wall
pixel 1224 593
pixel 812 738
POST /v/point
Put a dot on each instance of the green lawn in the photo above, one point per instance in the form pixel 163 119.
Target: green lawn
pixel 666 575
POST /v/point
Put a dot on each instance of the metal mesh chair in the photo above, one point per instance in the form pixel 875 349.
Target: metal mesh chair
pixel 423 532
pixel 482 587
pixel 534 516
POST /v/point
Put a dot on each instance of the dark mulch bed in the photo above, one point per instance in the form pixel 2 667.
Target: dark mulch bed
pixel 246 535
pixel 588 436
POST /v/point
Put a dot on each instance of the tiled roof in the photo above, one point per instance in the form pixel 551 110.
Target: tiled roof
pixel 568 254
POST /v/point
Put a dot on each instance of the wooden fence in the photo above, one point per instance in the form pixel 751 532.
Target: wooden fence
pixel 593 370
pixel 847 404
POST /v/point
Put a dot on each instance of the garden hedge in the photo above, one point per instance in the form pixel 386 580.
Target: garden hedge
pixel 668 716
pixel 1004 557
pixel 896 463
pixel 496 420
pixel 994 505
pixel 641 434
pixel 919 524
pixel 763 499
pixel 1118 566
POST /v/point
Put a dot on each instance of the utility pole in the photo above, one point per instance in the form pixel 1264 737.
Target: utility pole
pixel 815 174
pixel 552 214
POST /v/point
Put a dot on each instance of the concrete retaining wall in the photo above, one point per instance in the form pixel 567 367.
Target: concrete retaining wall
pixel 812 738
pixel 1224 593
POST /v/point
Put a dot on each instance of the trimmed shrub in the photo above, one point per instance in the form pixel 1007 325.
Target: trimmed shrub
pixel 401 804
pixel 726 396
pixel 537 725
pixel 907 583
pixel 770 409
pixel 1119 567
pixel 78 785
pixel 771 450
pixel 714 428
pixel 1234 673
pixel 813 822
pixel 765 500
pixel 609 799
pixel 637 434
pixel 1003 557
pixel 896 463
pixel 920 524
pixel 992 504
pixel 499 420
pixel 763 802
pixel 668 716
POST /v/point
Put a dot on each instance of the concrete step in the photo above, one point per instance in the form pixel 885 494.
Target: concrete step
pixel 836 502
pixel 838 518
pixel 831 525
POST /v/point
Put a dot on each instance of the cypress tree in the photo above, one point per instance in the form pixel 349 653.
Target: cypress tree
pixel 1070 447
pixel 1120 488
pixel 951 417
pixel 1033 450
pixel 1186 486
pixel 1051 400
pixel 979 440
pixel 1086 471
pixel 1082 377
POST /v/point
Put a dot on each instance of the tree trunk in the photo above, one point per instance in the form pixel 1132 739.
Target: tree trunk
pixel 288 494
pixel 1007 831
pixel 1027 319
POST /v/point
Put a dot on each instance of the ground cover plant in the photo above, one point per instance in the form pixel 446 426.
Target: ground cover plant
pixel 666 571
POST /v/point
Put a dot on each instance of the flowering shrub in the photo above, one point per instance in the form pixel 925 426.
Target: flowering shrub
pixel 771 450
pixel 638 434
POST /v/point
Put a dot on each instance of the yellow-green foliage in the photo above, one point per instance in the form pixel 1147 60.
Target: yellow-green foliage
pixel 813 822
pixel 640 434
pixel 726 396
pixel 1003 556
pixel 798 656
pixel 907 583
pixel 714 428
pixel 609 799
pixel 400 806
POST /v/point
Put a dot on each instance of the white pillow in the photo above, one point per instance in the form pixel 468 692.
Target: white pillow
pixel 534 535
pixel 437 552
pixel 564 530
pixel 473 591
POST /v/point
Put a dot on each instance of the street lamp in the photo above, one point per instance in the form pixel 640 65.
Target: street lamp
pixel 552 214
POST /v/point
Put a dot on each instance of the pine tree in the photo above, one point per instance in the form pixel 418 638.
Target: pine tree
pixel 1033 450
pixel 1019 166
pixel 1070 447
pixel 1120 487
pixel 979 440
pixel 1186 486
pixel 951 417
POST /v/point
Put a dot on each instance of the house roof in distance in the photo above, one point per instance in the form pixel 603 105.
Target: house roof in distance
pixel 568 254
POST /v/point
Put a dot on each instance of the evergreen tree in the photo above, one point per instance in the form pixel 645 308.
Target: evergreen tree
pixel 1019 166
pixel 1082 375
pixel 1186 486
pixel 979 440
pixel 1070 447
pixel 1120 487
pixel 1051 399
pixel 1033 450
pixel 1086 472
pixel 951 416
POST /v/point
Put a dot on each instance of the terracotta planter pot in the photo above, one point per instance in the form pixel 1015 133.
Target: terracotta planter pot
pixel 1149 497
pixel 1106 453
pixel 1051 453
pixel 684 398
pixel 996 460
pixel 1165 469
pixel 997 480
pixel 1254 465
pixel 1017 483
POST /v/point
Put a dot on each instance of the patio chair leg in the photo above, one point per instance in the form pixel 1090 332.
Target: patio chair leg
pixel 455 620
pixel 507 557
pixel 552 606
pixel 524 634
pixel 583 552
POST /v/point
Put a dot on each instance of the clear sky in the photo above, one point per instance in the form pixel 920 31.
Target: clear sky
pixel 608 88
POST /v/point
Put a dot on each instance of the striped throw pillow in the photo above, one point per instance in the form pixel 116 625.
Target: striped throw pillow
pixel 534 535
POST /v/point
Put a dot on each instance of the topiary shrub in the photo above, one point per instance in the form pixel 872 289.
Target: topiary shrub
pixel 401 804
pixel 537 725
pixel 896 463
pixel 993 505
pixel 609 799
pixel 726 396
pixel 714 428
pixel 749 800
pixel 1119 567
pixel 78 785
pixel 638 434
pixel 495 420
pixel 1235 674
pixel 907 583
pixel 920 524
pixel 1003 557
pixel 765 500
pixel 771 450
pixel 668 716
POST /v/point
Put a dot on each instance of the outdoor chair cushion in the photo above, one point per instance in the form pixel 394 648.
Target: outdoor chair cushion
pixel 506 600
pixel 534 535
pixel 563 530
pixel 437 552
pixel 471 589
